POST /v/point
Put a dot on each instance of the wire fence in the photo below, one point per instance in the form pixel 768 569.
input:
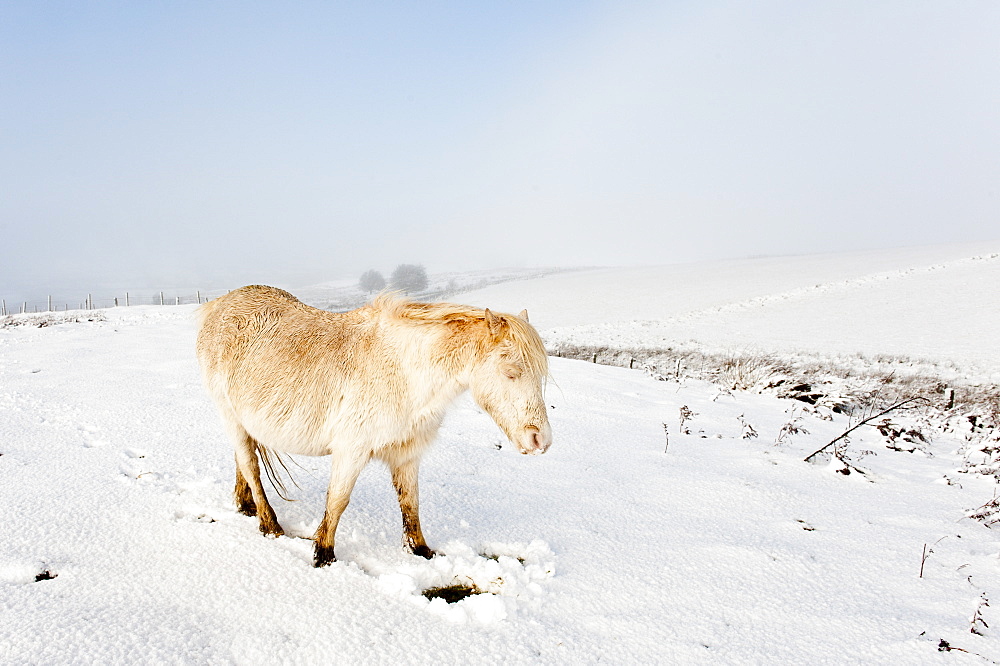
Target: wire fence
pixel 88 302
pixel 335 299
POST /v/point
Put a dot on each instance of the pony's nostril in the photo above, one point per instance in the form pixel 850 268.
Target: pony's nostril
pixel 543 442
pixel 534 442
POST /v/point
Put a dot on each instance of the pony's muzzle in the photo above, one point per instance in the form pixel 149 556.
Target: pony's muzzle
pixel 534 441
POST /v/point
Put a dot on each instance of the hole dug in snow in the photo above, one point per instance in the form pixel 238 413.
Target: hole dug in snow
pixel 483 586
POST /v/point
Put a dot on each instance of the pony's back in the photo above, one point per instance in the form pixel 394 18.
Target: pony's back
pixel 276 365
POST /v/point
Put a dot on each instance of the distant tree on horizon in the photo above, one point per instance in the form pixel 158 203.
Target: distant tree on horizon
pixel 409 278
pixel 371 281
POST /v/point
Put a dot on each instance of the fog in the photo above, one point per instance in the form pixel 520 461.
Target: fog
pixel 214 144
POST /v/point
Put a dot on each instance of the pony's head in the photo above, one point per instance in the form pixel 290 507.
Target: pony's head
pixel 508 380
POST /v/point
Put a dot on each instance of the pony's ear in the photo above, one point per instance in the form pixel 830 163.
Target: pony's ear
pixel 493 322
pixel 524 315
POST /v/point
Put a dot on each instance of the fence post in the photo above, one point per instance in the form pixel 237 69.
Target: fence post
pixel 116 301
pixel 126 299
pixel 24 307
pixel 50 304
pixel 199 296
pixel 161 298
pixel 177 300
pixel 4 308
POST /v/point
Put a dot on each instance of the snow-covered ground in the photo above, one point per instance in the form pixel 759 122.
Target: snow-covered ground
pixel 938 303
pixel 636 539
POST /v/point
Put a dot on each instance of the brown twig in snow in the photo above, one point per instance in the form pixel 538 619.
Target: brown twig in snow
pixel 864 421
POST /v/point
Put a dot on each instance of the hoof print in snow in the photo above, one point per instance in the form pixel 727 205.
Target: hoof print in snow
pixel 193 517
pixel 91 440
pixel 138 474
pixel 806 526
pixel 452 593
pixel 44 574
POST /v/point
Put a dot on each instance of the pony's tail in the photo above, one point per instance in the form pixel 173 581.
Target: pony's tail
pixel 267 459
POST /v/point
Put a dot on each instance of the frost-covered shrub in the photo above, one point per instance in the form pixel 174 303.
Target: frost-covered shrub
pixel 748 371
pixel 44 319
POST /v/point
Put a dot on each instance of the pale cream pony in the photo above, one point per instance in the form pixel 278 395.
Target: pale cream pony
pixel 371 383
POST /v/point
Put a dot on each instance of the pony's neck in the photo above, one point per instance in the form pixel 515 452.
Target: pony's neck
pixel 442 361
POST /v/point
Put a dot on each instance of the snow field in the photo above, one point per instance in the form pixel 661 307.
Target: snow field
pixel 615 546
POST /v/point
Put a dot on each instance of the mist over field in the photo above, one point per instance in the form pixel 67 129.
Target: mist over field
pixel 212 145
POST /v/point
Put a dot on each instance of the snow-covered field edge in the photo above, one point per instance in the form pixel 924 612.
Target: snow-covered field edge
pixel 934 398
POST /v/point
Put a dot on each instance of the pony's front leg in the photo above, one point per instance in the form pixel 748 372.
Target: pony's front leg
pixel 344 471
pixel 404 478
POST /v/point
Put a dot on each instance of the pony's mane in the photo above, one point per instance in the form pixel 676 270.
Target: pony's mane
pixel 521 334
pixel 398 307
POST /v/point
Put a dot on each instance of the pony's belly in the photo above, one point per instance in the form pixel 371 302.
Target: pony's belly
pixel 308 434
pixel 289 438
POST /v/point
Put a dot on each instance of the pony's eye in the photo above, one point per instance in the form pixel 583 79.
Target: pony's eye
pixel 512 373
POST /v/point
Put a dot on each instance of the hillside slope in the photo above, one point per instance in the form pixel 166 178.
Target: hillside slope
pixel 937 303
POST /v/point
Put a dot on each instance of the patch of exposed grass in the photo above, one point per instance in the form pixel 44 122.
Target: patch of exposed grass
pixel 496 557
pixel 452 593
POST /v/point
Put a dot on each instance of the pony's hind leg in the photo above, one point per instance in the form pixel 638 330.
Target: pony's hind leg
pixel 250 497
pixel 404 479
pixel 243 495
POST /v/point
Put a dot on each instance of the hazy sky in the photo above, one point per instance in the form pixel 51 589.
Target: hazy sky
pixel 167 143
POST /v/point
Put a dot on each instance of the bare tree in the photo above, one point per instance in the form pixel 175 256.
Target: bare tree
pixel 409 278
pixel 372 281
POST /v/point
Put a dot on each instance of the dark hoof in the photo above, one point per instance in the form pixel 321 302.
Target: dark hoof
pixel 247 509
pixel 323 556
pixel 273 530
pixel 424 552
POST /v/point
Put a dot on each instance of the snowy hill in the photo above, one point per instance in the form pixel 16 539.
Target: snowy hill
pixel 671 522
pixel 937 303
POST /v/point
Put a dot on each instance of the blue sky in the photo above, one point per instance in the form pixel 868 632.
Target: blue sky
pixel 193 143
